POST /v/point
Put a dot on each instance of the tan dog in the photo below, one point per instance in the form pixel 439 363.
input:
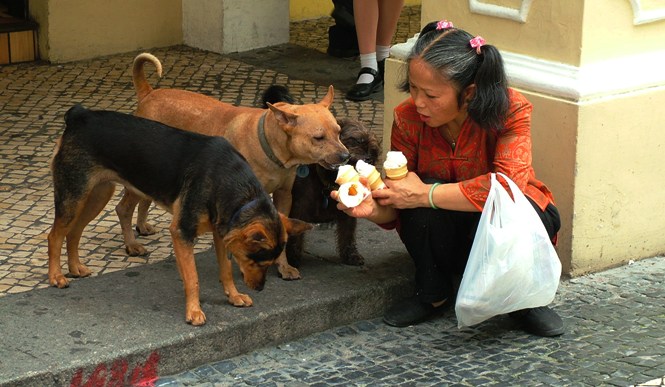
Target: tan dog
pixel 274 141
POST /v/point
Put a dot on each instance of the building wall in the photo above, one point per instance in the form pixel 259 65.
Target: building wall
pixel 314 9
pixel 77 29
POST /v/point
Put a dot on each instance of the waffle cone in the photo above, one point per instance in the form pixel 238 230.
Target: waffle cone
pixel 351 175
pixel 374 180
pixel 396 173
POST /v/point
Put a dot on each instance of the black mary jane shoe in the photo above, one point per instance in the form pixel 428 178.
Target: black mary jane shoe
pixel 413 311
pixel 363 91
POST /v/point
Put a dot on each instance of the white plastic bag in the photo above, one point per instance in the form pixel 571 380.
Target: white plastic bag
pixel 512 264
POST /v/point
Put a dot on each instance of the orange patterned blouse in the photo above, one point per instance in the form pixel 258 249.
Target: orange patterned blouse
pixel 477 152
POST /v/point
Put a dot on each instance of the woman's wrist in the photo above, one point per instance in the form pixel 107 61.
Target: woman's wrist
pixel 383 214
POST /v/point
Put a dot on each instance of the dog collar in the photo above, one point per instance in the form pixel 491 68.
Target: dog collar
pixel 264 142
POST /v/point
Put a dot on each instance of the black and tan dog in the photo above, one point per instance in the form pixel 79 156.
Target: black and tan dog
pixel 203 181
pixel 311 189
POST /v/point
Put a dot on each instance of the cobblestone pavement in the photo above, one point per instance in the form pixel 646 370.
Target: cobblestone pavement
pixel 615 328
pixel 615 319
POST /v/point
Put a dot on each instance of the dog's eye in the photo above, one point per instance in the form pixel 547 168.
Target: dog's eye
pixel 319 138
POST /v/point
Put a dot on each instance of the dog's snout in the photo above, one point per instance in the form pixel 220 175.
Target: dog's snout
pixel 344 157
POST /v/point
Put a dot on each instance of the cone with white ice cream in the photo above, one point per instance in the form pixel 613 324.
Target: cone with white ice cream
pixel 395 165
pixel 371 173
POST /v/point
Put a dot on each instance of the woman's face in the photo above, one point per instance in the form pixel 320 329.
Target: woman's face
pixel 434 96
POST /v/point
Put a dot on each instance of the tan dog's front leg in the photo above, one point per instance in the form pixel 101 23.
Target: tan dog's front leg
pixel 282 199
pixel 142 225
pixel 125 210
pixel 184 256
pixel 226 275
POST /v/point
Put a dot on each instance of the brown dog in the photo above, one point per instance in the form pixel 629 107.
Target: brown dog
pixel 311 190
pixel 203 181
pixel 274 141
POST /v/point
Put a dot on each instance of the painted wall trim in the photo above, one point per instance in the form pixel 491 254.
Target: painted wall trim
pixel 592 81
pixel 515 14
pixel 641 15
pixel 580 84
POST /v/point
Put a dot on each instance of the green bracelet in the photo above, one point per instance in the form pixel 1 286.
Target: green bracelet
pixel 431 192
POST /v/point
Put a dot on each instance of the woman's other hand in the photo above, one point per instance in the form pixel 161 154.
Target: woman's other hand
pixel 409 192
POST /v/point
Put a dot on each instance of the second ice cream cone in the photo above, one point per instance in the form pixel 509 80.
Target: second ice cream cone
pixel 371 173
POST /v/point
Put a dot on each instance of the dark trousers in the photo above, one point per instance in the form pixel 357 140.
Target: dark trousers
pixel 439 242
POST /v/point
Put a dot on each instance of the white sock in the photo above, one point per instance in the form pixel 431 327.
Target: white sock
pixel 382 52
pixel 368 60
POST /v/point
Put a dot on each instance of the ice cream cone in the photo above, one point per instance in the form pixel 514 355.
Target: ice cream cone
pixel 371 173
pixel 395 165
pixel 346 173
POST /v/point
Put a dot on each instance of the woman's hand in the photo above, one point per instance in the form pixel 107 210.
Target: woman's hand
pixel 364 210
pixel 409 192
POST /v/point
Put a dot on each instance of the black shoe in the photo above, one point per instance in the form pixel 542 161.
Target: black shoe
pixel 541 321
pixel 362 91
pixel 412 311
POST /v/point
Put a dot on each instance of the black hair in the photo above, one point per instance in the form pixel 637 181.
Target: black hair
pixel 448 51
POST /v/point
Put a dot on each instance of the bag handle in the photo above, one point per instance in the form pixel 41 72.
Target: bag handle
pixel 518 195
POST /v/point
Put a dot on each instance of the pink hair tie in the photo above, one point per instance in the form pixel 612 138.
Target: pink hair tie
pixel 443 24
pixel 476 43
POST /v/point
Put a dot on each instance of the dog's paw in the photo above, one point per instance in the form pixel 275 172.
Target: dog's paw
pixel 240 300
pixel 58 280
pixel 79 271
pixel 353 259
pixel 135 249
pixel 288 273
pixel 195 317
pixel 145 229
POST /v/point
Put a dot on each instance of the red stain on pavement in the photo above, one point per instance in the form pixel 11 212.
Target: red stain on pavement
pixel 119 374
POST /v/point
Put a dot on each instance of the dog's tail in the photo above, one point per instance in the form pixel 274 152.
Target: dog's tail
pixel 276 93
pixel 138 76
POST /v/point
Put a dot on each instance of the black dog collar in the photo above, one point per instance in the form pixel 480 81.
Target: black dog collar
pixel 264 142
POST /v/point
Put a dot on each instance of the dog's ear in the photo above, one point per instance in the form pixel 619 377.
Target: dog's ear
pixel 283 117
pixel 294 226
pixel 252 238
pixel 328 99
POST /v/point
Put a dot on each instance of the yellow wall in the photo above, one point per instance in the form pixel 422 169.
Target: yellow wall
pixel 72 30
pixel 611 36
pixel 620 183
pixel 314 9
pixel 553 31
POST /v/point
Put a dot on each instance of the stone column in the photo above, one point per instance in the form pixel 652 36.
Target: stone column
pixel 594 71
pixel 226 26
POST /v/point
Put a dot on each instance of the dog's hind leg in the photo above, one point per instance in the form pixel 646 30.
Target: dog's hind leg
pixel 72 214
pixel 125 211
pixel 142 225
pixel 93 205
pixel 56 237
